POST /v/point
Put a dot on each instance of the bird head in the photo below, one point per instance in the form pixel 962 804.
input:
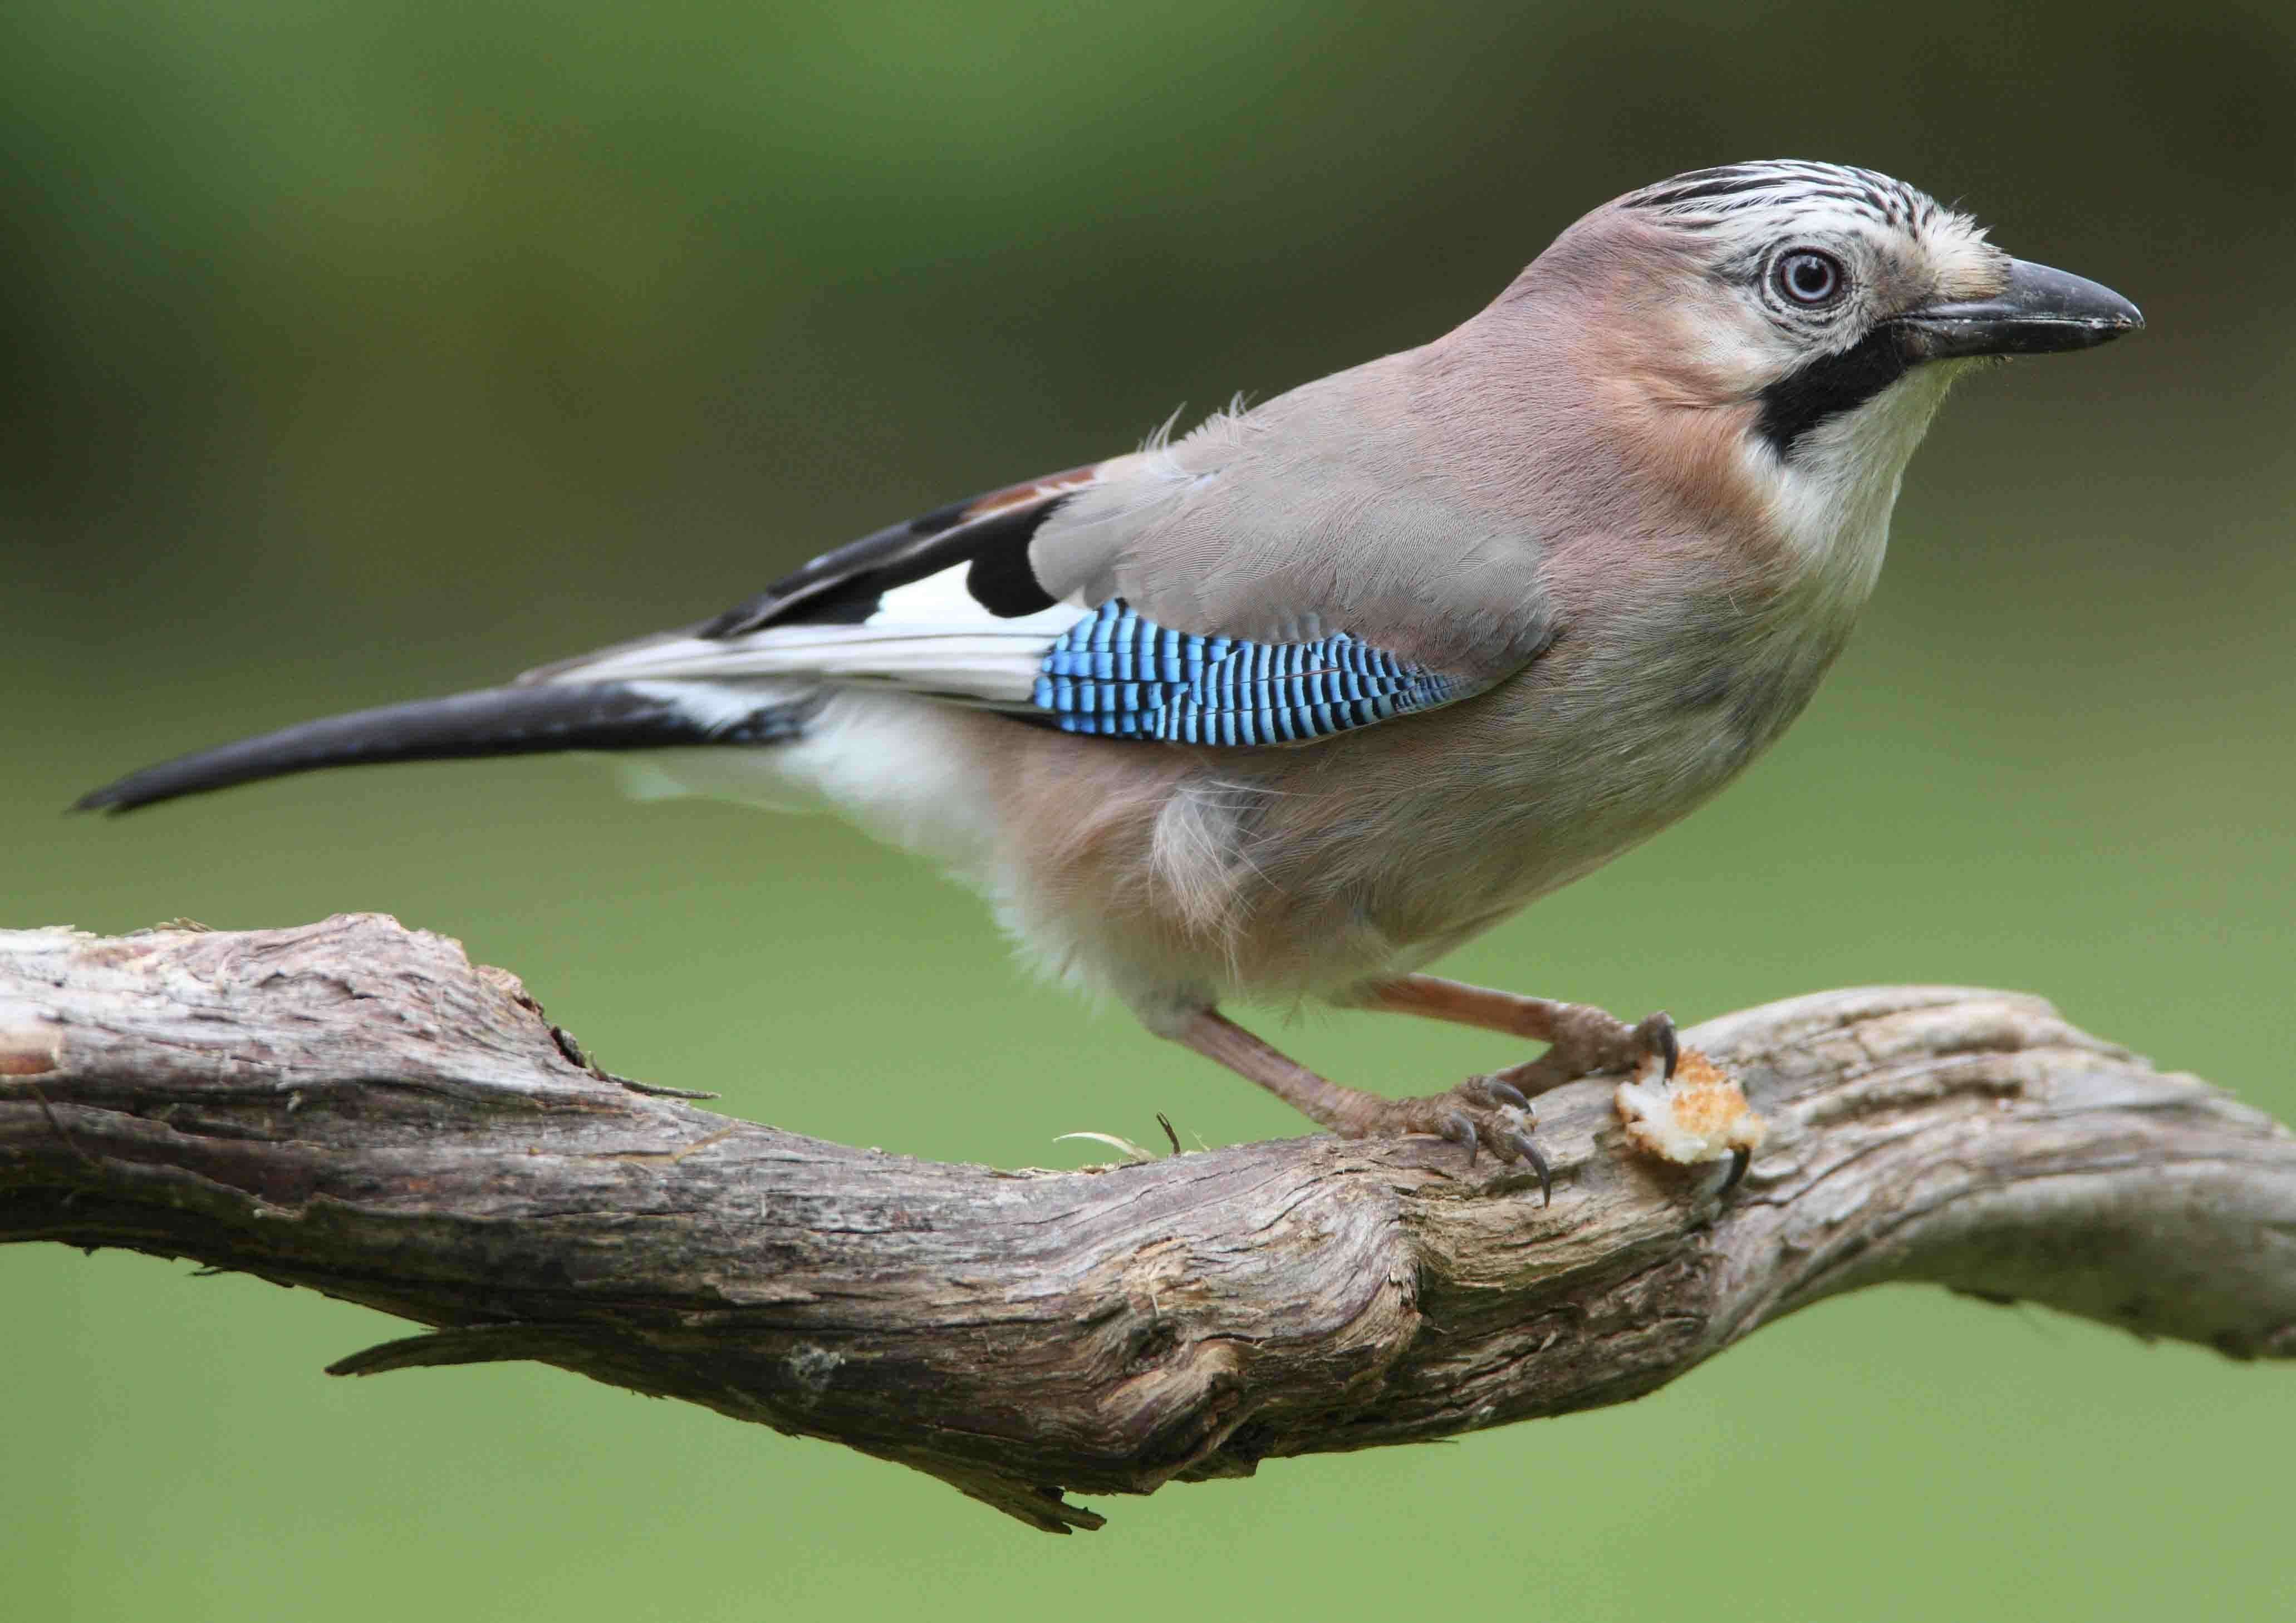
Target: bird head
pixel 1819 289
pixel 1801 322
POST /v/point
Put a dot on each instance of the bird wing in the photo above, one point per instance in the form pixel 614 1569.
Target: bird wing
pixel 1248 585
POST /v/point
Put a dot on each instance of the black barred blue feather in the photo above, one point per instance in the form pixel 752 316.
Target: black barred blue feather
pixel 1118 674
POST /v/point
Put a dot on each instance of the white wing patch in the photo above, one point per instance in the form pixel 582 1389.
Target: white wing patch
pixel 945 598
pixel 930 637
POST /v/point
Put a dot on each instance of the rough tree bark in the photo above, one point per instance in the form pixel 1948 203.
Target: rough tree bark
pixel 351 1106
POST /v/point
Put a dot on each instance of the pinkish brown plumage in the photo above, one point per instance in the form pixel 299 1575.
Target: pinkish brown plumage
pixel 1289 706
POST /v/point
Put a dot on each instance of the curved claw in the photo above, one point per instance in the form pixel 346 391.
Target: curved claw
pixel 1739 1159
pixel 1530 1152
pixel 1506 1091
pixel 1460 1130
pixel 1660 1026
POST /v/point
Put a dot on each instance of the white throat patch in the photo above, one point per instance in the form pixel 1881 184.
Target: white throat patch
pixel 1831 498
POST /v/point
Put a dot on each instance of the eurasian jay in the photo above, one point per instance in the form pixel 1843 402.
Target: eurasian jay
pixel 1289 706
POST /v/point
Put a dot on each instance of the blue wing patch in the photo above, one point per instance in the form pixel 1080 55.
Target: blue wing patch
pixel 1116 675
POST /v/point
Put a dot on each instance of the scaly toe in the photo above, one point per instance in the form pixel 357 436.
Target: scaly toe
pixel 1479 1114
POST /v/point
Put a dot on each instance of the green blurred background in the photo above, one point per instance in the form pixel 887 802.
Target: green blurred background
pixel 357 351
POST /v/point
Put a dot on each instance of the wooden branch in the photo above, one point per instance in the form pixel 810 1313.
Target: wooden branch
pixel 351 1106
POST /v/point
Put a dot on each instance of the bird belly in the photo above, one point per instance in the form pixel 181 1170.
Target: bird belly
pixel 1175 877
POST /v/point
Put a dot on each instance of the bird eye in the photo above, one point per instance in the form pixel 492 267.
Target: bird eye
pixel 1808 277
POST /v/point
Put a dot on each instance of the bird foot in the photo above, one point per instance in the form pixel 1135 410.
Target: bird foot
pixel 1481 1113
pixel 1588 1041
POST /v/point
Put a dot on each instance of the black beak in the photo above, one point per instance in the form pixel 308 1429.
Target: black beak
pixel 2040 312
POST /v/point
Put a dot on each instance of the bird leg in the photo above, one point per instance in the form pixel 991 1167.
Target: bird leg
pixel 1481 1113
pixel 1581 1038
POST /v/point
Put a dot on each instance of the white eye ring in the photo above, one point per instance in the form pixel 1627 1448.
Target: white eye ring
pixel 1810 278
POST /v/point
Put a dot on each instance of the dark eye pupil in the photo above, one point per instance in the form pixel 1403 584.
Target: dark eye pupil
pixel 1811 278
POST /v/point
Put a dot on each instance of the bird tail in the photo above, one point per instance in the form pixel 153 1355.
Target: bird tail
pixel 540 718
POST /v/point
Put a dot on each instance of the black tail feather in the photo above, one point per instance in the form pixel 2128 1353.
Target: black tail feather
pixel 529 720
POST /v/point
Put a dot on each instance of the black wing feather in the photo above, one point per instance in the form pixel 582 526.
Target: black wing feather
pixel 539 720
pixel 843 586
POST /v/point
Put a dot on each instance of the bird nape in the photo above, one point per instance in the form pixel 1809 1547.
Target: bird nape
pixel 1288 706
